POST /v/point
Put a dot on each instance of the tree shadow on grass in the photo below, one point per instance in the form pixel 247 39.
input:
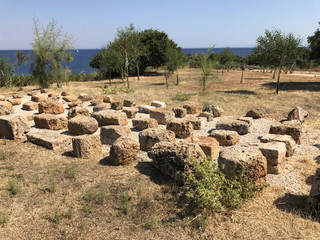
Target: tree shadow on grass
pixel 158 84
pixel 244 92
pixel 294 86
pixel 295 204
pixel 153 74
pixel 155 175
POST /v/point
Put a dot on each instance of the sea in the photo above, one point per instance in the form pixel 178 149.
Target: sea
pixel 82 57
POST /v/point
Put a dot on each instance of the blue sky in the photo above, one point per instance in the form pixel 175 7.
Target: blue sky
pixel 190 23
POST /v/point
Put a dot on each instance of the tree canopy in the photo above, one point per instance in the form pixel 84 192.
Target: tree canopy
pixel 278 48
pixel 138 50
pixel 51 48
pixel 314 44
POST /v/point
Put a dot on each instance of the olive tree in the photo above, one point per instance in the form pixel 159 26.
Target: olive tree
pixel 51 49
pixel 279 49
pixel 21 58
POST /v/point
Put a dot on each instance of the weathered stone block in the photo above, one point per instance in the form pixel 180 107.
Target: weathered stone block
pixel 6 108
pixel 145 109
pixel 30 106
pixel 116 105
pixel 173 158
pixel 109 134
pixel 82 125
pixel 298 113
pixel 162 115
pixel 149 137
pixel 78 111
pixel 87 146
pixel 191 109
pixel 240 127
pixel 292 128
pixel 129 102
pixel 13 127
pixel 210 146
pixel 256 113
pixel 181 128
pixel 101 107
pixel 38 97
pixel 144 123
pixel 50 121
pixel 275 153
pixel 51 106
pixel 225 137
pixel 249 158
pixel 207 115
pixel 196 122
pixel 214 109
pixel 14 101
pixel 158 104
pixel 124 151
pixel 50 139
pixel 110 117
pixel 179 112
pixel 130 111
pixel 288 140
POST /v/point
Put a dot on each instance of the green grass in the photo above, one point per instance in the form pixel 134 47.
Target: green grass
pixel 3 155
pixel 13 188
pixel 3 219
pixel 70 172
pixel 126 203
pixel 93 196
pixel 180 96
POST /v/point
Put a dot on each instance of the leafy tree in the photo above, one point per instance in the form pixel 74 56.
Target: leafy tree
pixel 21 58
pixel 175 58
pixel 126 42
pixel 314 44
pixel 206 67
pixel 279 48
pixel 226 58
pixel 111 62
pixel 6 71
pixel 51 48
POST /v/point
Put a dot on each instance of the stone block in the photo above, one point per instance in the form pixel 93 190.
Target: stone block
pixel 87 146
pixel 240 127
pixel 82 125
pixel 13 127
pixel 275 153
pixel 149 137
pixel 109 134
pixel 144 123
pixel 179 112
pixel 50 121
pixel 130 111
pixel 225 137
pixel 162 115
pixel 288 140
pixel 124 151
pixel 110 117
pixel 30 106
pixel 181 128
pixel 210 146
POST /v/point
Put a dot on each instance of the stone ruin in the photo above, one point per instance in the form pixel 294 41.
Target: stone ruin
pixel 169 137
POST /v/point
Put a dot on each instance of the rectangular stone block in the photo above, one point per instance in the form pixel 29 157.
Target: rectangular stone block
pixel 275 153
pixel 87 146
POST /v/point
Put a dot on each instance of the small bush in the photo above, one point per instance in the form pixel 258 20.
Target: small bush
pixel 70 172
pixel 208 189
pixel 3 155
pixel 53 186
pixel 180 96
pixel 115 89
pixel 3 219
pixel 126 203
pixel 13 188
pixel 57 217
pixel 93 197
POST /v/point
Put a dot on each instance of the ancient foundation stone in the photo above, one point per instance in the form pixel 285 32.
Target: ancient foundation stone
pixel 87 146
pixel 288 140
pixel 144 123
pixel 124 151
pixel 82 125
pixel 110 117
pixel 225 137
pixel 109 134
pixel 50 121
pixel 240 127
pixel 181 128
pixel 13 127
pixel 149 137
pixel 162 115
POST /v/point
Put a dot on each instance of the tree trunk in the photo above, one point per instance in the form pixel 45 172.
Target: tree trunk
pixel 241 76
pixel 203 85
pixel 138 71
pixel 58 84
pixel 274 74
pixel 177 77
pixel 110 79
pixel 222 71
pixel 278 81
pixel 127 71
pixel 167 84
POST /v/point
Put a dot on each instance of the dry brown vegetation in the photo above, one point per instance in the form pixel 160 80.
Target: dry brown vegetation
pixel 61 197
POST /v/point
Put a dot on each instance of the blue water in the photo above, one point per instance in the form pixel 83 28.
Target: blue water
pixel 82 57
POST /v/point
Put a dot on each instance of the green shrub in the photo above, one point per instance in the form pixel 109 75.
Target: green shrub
pixel 3 219
pixel 3 155
pixel 13 188
pixel 91 197
pixel 208 189
pixel 180 96
pixel 57 217
pixel 116 88
pixel 70 172
pixel 126 203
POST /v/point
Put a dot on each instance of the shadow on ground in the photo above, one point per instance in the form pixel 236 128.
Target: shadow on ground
pixel 292 86
pixel 157 84
pixel 244 92
pixel 295 204
pixel 152 74
pixel 156 176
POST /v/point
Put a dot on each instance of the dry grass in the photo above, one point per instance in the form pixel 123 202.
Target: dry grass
pixel 137 199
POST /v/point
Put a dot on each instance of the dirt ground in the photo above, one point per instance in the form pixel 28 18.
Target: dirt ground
pixel 62 197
